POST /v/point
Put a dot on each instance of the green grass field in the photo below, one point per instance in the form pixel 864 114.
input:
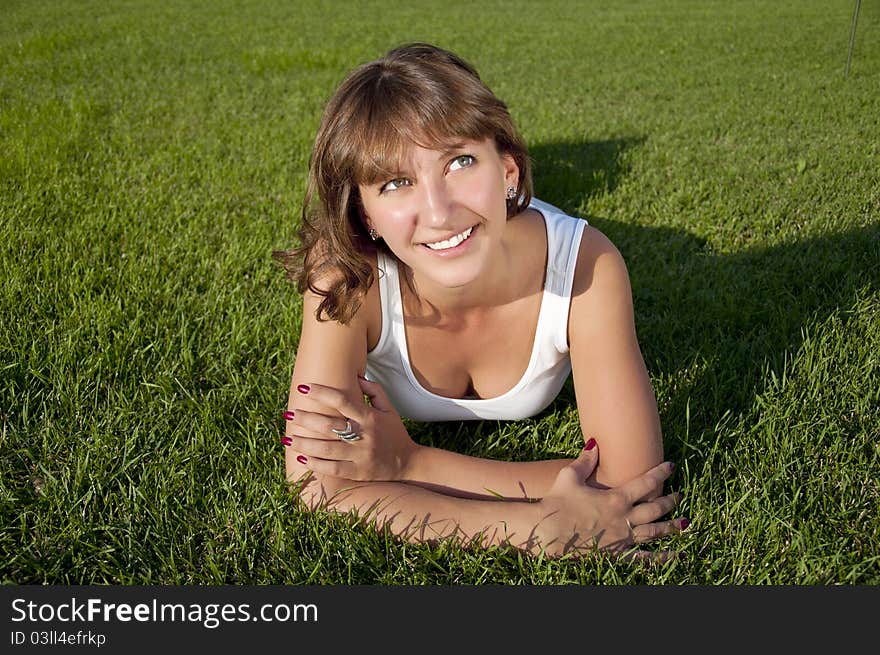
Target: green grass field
pixel 152 155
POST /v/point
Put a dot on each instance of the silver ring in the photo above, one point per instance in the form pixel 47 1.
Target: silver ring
pixel 346 434
pixel 632 533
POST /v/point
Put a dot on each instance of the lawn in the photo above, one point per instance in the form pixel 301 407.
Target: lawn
pixel 152 155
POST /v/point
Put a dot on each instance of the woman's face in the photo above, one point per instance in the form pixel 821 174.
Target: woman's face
pixel 443 214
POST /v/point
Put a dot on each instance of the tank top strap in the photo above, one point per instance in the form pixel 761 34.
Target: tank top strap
pixel 389 301
pixel 563 245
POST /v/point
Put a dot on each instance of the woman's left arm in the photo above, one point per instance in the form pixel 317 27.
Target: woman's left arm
pixel 616 403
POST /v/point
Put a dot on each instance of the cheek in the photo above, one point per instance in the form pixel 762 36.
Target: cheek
pixel 399 219
pixel 485 193
pixel 393 220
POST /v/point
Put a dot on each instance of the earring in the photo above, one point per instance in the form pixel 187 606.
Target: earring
pixel 511 193
pixel 373 234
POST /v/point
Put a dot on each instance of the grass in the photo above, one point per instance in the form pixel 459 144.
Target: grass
pixel 155 154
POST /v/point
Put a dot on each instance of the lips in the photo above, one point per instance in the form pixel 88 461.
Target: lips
pixel 451 242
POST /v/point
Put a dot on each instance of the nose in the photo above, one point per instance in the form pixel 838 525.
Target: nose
pixel 437 203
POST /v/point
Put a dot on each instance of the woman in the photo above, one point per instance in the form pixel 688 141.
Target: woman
pixel 435 286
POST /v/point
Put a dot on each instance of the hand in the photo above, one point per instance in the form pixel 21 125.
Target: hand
pixel 578 518
pixel 382 451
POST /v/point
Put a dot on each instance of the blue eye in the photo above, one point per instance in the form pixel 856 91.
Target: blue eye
pixel 462 161
pixel 393 185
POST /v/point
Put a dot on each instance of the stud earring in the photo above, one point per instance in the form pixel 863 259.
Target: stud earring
pixel 511 193
pixel 373 234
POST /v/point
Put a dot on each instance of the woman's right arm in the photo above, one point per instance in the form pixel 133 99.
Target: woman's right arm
pixel 574 518
pixel 328 353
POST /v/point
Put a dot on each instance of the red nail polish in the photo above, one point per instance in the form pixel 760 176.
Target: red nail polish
pixel 684 524
pixel 302 459
pixel 590 444
pixel 286 441
pixel 303 388
pixel 288 415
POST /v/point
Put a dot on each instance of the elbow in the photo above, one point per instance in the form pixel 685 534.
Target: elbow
pixel 314 491
pixel 318 491
pixel 310 489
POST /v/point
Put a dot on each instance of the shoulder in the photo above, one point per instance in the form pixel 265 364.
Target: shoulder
pixel 330 352
pixel 330 281
pixel 600 267
pixel 333 276
pixel 601 296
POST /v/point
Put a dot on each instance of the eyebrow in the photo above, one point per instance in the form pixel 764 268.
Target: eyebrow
pixel 387 174
pixel 452 149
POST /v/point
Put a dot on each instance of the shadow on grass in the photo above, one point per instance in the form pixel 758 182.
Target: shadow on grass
pixel 730 317
pixel 716 322
pixel 711 323
pixel 571 172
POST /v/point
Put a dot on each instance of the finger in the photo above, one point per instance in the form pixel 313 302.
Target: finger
pixel 376 394
pixel 653 509
pixel 295 430
pixel 329 467
pixel 586 462
pixel 335 398
pixel 651 531
pixel 321 424
pixel 329 450
pixel 299 431
pixel 638 488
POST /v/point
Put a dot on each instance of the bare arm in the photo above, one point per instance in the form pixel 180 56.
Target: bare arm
pixel 573 518
pixel 334 355
pixel 473 477
pixel 570 517
pixel 424 516
pixel 616 403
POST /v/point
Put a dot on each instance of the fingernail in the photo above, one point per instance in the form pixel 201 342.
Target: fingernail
pixel 683 524
pixel 302 459
pixel 671 466
pixel 590 444
pixel 286 441
pixel 303 388
pixel 288 415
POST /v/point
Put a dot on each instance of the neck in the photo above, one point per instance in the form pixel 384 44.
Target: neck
pixel 495 287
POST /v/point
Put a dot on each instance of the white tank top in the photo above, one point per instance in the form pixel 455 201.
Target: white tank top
pixel 549 366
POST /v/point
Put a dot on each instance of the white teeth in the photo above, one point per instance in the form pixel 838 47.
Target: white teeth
pixel 452 242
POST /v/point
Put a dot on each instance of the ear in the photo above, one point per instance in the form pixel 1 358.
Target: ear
pixel 362 213
pixel 511 171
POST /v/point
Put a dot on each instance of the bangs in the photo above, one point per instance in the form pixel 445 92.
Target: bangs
pixel 394 121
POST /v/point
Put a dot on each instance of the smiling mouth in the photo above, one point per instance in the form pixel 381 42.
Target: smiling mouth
pixel 450 242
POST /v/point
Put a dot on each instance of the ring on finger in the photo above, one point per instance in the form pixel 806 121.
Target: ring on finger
pixel 632 533
pixel 346 434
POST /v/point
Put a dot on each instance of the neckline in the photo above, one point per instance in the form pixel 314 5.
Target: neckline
pixel 400 328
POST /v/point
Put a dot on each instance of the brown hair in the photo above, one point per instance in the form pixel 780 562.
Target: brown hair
pixel 415 94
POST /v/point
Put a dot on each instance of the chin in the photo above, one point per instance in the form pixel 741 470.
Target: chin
pixel 454 278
